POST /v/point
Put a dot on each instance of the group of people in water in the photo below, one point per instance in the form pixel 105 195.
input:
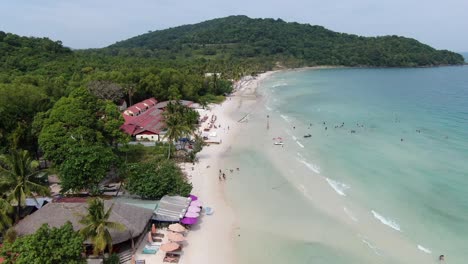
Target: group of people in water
pixel 222 175
pixel 352 131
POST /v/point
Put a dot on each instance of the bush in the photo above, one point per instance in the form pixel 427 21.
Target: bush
pixel 112 259
pixel 154 180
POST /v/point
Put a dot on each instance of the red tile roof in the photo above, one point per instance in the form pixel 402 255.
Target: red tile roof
pixel 150 120
pixel 140 107
pixel 146 117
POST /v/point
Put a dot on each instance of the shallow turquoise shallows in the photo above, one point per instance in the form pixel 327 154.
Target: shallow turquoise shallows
pixel 383 178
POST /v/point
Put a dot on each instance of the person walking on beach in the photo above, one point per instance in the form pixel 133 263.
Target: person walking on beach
pixel 224 176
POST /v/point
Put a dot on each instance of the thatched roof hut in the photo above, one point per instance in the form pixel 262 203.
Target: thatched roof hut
pixel 57 214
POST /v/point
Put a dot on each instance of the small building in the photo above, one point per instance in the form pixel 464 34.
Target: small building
pixel 122 105
pixel 171 208
pixel 57 213
pixel 145 121
pixel 139 108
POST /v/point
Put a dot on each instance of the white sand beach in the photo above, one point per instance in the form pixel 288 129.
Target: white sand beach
pixel 212 240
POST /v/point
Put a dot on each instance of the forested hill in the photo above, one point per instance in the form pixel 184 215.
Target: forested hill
pixel 292 44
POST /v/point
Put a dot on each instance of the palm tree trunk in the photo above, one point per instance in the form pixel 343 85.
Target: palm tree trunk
pixel 18 208
pixel 169 152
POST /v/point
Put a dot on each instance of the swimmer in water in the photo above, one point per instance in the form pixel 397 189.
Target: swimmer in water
pixel 441 258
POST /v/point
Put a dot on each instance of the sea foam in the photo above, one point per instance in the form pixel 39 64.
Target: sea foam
pixel 339 187
pixel 375 249
pixel 311 167
pixel 387 222
pixel 299 143
pixel 350 214
pixel 286 118
pixel 425 250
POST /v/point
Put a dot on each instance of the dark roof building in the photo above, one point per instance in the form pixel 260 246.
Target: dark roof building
pixel 56 214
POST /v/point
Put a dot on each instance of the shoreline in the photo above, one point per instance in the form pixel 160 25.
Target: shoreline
pixel 213 239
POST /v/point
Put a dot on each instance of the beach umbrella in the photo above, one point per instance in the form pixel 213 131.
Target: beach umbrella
pixel 193 209
pixel 193 197
pixel 189 221
pixel 196 203
pixel 175 237
pixel 190 214
pixel 177 228
pixel 168 247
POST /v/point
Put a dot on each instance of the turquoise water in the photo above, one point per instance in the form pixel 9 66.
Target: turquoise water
pixel 384 180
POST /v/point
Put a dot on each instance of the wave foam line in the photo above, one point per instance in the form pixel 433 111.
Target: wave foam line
pixel 299 143
pixel 425 250
pixel 339 187
pixel 311 167
pixel 350 214
pixel 387 222
pixel 286 118
pixel 372 247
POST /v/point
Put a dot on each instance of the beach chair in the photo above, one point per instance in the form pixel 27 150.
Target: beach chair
pixel 150 249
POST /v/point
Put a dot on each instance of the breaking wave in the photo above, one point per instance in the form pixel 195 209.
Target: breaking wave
pixel 387 222
pixel 339 187
pixel 299 143
pixel 425 250
pixel 311 167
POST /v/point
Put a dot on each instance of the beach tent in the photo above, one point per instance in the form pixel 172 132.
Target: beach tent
pixel 190 214
pixel 189 221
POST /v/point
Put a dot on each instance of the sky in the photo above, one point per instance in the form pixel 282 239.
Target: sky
pixel 99 23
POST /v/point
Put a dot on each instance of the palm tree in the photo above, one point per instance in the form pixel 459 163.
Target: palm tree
pixel 5 214
pixel 176 125
pixel 20 177
pixel 97 225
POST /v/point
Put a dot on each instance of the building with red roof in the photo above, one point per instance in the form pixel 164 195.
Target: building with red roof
pixel 145 121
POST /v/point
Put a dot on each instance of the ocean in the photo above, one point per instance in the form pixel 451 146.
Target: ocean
pixel 383 177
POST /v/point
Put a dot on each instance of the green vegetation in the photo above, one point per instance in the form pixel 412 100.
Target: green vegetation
pixel 20 178
pixel 97 225
pixel 180 122
pixel 60 104
pixel 153 180
pixel 77 135
pixel 5 214
pixel 47 245
pixel 267 41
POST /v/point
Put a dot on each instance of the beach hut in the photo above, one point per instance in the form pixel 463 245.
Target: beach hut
pixel 171 208
pixel 56 214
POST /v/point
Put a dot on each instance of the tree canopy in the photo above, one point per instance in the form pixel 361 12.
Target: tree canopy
pixel 153 180
pixel 77 134
pixel 46 246
pixel 293 44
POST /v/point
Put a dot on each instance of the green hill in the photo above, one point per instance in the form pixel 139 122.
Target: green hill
pixel 291 44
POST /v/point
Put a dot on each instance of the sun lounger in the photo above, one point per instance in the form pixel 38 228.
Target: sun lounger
pixel 152 246
pixel 159 235
pixel 174 259
pixel 140 261
pixel 149 251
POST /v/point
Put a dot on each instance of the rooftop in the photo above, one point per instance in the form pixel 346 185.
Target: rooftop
pixel 57 214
